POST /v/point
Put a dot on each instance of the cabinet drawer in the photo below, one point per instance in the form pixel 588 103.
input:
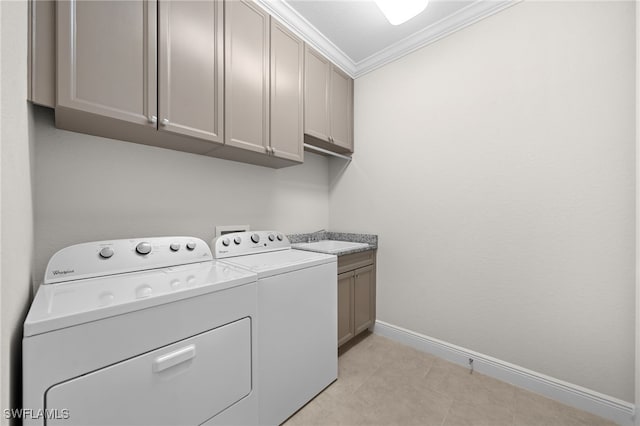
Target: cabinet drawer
pixel 353 261
pixel 187 382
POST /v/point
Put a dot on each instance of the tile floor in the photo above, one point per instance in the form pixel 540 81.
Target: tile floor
pixel 381 382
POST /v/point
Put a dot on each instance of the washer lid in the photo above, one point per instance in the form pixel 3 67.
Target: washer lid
pixel 280 262
pixel 76 302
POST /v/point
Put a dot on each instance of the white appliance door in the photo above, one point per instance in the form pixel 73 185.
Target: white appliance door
pixel 184 383
pixel 297 339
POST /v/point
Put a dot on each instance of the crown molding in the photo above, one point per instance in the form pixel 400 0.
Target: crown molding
pixel 469 15
pixel 295 22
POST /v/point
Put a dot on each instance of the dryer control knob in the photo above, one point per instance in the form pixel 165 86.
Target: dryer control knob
pixel 271 237
pixel 279 237
pixel 255 238
pixel 143 248
pixel 106 252
pixel 174 246
pixel 226 242
pixel 237 240
pixel 191 246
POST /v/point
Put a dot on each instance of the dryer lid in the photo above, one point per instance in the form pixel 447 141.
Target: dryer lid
pixel 75 302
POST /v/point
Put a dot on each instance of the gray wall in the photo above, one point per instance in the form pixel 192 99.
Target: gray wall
pixel 16 215
pixel 89 188
pixel 497 166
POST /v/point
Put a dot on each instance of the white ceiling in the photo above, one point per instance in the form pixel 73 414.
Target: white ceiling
pixel 356 36
pixel 359 28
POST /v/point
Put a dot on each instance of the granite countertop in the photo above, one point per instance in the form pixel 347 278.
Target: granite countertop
pixel 370 239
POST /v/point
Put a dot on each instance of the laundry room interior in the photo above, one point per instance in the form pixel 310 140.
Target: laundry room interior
pixel 487 191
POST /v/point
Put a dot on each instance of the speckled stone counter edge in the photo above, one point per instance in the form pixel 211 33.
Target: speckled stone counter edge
pixel 370 239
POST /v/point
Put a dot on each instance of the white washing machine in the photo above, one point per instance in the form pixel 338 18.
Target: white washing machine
pixel 297 308
pixel 141 332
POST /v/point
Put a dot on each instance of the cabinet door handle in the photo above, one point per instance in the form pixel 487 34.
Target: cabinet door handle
pixel 174 358
pixel 165 121
pixel 153 119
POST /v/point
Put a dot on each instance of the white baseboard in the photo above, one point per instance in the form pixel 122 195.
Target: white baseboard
pixel 605 406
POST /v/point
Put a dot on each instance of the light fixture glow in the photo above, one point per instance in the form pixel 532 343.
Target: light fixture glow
pixel 400 11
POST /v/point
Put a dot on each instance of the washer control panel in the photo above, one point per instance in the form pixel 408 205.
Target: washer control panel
pixel 250 242
pixel 103 258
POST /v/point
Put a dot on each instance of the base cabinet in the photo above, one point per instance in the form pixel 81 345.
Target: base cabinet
pixel 356 294
pixel 345 308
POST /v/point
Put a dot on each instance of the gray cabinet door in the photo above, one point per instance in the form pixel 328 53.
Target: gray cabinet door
pixel 363 298
pixel 246 76
pixel 345 307
pixel 316 95
pixel 42 52
pixel 191 68
pixel 341 109
pixel 107 58
pixel 287 59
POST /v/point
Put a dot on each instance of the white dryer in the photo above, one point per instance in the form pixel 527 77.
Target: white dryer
pixel 141 332
pixel 297 308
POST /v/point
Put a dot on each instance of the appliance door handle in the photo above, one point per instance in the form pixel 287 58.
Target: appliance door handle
pixel 174 358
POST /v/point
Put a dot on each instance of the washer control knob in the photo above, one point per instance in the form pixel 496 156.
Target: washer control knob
pixel 191 246
pixel 279 237
pixel 143 291
pixel 271 237
pixel 143 248
pixel 226 242
pixel 255 238
pixel 105 298
pixel 106 252
pixel 237 240
pixel 174 246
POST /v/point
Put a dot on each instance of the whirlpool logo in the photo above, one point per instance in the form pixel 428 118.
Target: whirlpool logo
pixel 63 272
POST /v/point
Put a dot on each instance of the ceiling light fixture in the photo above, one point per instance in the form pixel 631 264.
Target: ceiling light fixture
pixel 400 11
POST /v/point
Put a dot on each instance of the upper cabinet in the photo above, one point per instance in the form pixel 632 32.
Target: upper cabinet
pixel 317 75
pixel 191 69
pixel 107 59
pixel 263 88
pixel 341 109
pixel 118 76
pixel 42 52
pixel 213 77
pixel 247 76
pixel 287 60
pixel 328 120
